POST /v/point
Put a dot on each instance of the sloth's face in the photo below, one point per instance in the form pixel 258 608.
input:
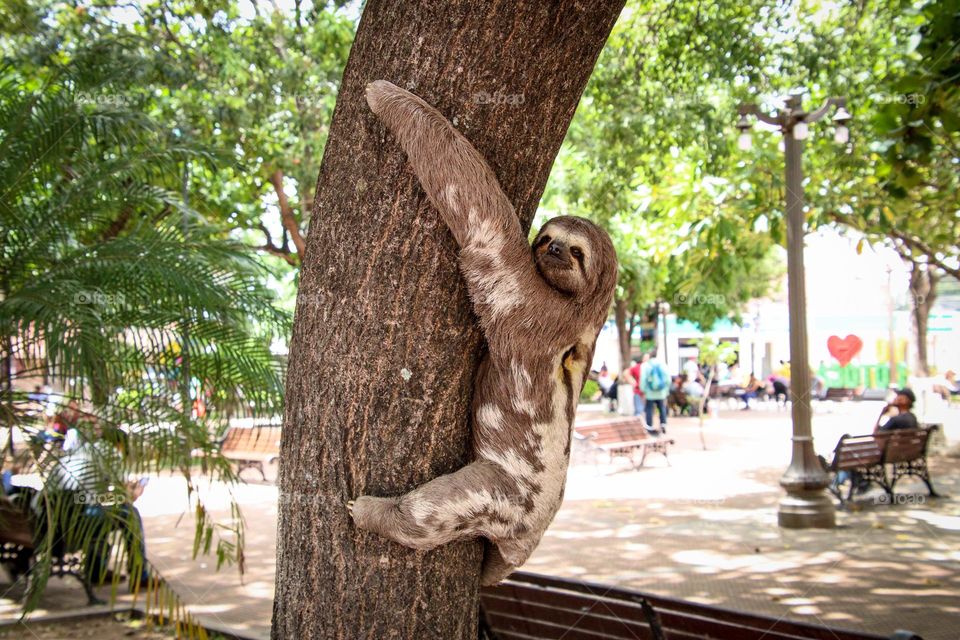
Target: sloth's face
pixel 575 256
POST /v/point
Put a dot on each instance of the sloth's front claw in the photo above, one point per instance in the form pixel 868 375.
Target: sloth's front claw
pixel 376 92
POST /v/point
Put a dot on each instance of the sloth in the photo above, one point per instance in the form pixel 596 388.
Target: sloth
pixel 540 307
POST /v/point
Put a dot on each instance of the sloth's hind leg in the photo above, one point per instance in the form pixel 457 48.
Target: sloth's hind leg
pixel 474 501
pixel 496 567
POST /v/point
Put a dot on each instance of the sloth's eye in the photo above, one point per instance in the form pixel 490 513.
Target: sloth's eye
pixel 576 252
pixel 542 241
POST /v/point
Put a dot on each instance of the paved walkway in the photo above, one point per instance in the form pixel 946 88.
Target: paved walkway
pixel 703 529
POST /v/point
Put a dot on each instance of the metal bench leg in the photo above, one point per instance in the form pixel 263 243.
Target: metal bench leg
pixel 263 476
pixel 92 598
pixel 653 620
pixel 643 458
pixel 919 468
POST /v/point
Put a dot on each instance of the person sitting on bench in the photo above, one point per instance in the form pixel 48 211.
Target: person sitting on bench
pixel 80 475
pixel 898 414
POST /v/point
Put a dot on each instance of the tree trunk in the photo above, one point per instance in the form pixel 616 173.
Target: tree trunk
pixel 632 325
pixel 623 332
pixel 655 314
pixel 703 403
pixel 384 345
pixel 923 292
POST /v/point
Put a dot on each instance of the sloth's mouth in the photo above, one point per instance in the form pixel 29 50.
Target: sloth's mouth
pixel 548 259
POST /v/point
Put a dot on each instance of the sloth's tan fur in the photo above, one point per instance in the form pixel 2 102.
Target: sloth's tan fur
pixel 541 309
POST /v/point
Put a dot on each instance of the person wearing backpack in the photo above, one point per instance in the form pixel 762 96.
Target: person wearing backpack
pixel 655 384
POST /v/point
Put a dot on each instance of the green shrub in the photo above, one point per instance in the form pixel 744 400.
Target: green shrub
pixel 589 390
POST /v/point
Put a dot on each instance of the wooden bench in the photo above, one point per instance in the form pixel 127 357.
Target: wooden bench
pixel 839 394
pixel 625 437
pixel 874 395
pixel 251 447
pixel 905 454
pixel 533 607
pixel 18 534
pixel 882 458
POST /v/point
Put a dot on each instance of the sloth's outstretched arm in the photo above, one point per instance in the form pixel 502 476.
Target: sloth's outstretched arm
pixel 454 175
pixel 494 255
pixel 474 501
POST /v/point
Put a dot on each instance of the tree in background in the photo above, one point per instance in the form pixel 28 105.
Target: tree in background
pixel 896 183
pixel 118 293
pixel 711 353
pixel 254 83
pixel 648 156
pixel 912 185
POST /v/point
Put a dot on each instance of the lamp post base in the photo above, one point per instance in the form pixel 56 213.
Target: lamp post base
pixel 806 510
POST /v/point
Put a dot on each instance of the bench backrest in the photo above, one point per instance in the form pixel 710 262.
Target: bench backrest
pixel 854 452
pixel 614 431
pixel 901 445
pixel 529 606
pixel 874 394
pixel 839 393
pixel 256 439
pixel 14 524
pixel 904 445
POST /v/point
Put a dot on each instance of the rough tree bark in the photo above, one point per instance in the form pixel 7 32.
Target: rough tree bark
pixel 623 332
pixel 384 345
pixel 923 293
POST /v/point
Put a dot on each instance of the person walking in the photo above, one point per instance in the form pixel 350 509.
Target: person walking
pixel 655 385
pixel 634 371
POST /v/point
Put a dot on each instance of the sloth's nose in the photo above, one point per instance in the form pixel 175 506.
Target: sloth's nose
pixel 555 248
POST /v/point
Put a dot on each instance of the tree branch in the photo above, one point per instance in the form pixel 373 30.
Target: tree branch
pixel 922 247
pixel 908 241
pixel 287 217
pixel 282 251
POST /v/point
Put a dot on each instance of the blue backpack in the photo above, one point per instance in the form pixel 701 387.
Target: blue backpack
pixel 656 378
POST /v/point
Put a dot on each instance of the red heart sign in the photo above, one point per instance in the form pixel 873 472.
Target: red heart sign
pixel 844 349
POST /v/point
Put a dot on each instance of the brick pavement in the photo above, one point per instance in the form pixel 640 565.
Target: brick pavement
pixel 703 529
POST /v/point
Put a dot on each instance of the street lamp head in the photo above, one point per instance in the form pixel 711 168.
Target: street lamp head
pixel 842 116
pixel 840 119
pixel 744 142
pixel 842 134
pixel 800 130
